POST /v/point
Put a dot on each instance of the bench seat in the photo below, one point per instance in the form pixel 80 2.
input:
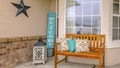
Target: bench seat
pixel 95 55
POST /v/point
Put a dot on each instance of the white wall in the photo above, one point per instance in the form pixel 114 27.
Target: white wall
pixel 112 47
pixel 12 26
pixel 112 56
pixel 107 11
pixel 113 43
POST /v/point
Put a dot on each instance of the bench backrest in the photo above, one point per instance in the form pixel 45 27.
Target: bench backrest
pixel 97 42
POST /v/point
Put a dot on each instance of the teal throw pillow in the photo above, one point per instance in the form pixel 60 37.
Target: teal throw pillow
pixel 72 45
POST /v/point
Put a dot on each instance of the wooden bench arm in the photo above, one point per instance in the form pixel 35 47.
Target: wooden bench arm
pixel 102 45
pixel 55 47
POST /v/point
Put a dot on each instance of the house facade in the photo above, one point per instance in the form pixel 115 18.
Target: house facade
pixel 12 27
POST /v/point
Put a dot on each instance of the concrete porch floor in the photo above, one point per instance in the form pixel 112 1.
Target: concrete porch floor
pixel 50 64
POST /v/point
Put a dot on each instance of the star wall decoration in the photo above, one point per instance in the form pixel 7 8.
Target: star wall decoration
pixel 21 8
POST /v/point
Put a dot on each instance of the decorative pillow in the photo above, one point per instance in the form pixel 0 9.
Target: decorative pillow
pixel 72 45
pixel 63 44
pixel 82 45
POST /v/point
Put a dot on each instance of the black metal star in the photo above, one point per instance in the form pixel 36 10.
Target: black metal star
pixel 21 8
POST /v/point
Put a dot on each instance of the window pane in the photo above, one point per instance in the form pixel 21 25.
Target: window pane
pixel 115 21
pixel 95 0
pixel 78 21
pixel 116 0
pixel 78 9
pixel 96 30
pixel 82 16
pixel 70 1
pixel 96 8
pixel 119 34
pixel 87 21
pixel 119 22
pixel 115 8
pixel 67 21
pixel 87 9
pixel 96 21
pixel 70 11
pixel 86 30
pixel 79 1
pixel 115 34
pixel 69 30
pixel 86 1
pixel 69 5
pixel 71 21
pixel 78 31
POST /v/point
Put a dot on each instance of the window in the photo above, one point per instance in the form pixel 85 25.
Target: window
pixel 83 16
pixel 116 20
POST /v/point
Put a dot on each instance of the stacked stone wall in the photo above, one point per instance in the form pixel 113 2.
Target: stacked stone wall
pixel 16 50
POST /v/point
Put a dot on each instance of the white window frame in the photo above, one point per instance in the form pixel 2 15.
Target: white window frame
pixel 82 22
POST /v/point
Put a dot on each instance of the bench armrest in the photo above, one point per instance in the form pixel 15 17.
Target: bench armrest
pixel 56 44
pixel 55 47
pixel 102 47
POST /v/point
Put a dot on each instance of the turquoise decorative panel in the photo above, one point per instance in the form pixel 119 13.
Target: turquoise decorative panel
pixel 51 29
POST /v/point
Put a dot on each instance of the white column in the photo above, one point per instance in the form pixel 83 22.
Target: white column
pixel 61 15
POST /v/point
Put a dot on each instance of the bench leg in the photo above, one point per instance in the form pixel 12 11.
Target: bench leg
pixel 101 62
pixel 55 61
pixel 65 58
pixel 94 66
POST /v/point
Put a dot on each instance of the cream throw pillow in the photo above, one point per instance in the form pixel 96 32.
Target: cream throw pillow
pixel 82 45
pixel 63 44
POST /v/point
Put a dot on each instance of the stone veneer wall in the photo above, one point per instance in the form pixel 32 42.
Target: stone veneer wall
pixel 16 50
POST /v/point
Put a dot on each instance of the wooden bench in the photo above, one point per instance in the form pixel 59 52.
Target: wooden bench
pixel 97 49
